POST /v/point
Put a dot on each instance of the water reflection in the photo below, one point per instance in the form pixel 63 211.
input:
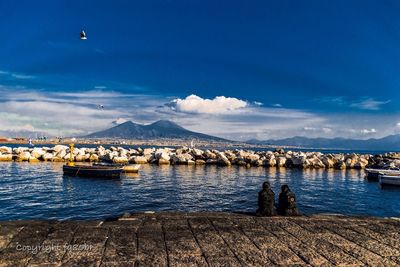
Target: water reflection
pixel 41 191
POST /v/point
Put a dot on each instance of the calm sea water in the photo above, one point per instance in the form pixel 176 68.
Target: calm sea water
pixel 39 191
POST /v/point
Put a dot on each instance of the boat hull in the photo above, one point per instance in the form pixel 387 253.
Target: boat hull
pixel 92 171
pixel 130 168
pixel 391 180
pixel 373 174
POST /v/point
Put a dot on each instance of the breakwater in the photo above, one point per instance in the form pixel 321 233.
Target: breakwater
pixel 195 156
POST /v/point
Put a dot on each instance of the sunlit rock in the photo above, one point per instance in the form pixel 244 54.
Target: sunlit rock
pixel 33 159
pixel 5 150
pixel 200 162
pixel 93 158
pixel 280 161
pixel 38 153
pixel 222 159
pixel 139 160
pixel 48 156
pixel 6 157
pixel 120 160
pixel 23 156
pixel 59 148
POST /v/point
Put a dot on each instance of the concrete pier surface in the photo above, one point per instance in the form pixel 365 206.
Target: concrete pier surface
pixel 203 239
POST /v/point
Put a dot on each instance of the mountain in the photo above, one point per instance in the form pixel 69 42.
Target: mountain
pixel 158 129
pixel 391 142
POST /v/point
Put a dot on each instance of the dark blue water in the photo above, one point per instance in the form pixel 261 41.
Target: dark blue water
pixel 39 191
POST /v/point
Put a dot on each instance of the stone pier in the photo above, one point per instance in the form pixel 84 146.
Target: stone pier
pixel 203 239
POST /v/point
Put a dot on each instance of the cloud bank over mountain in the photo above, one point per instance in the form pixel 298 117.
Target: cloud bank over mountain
pixel 73 113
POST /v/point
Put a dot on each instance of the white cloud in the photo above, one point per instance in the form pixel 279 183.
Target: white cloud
pixel 277 105
pixel 22 76
pixel 327 130
pixel 218 105
pixel 15 75
pixel 257 103
pixel 90 94
pixel 119 121
pixel 28 127
pixel 369 104
pixel 76 113
pixel 362 131
pixel 368 131
pixel 309 128
pixel 54 118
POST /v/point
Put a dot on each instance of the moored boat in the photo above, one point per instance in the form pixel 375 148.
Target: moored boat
pixel 130 168
pixel 392 180
pixel 93 171
pixel 373 174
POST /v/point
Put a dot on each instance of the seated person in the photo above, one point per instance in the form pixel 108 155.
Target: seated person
pixel 266 201
pixel 287 202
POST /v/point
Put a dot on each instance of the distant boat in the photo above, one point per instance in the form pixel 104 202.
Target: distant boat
pixel 373 174
pixel 96 171
pixel 391 180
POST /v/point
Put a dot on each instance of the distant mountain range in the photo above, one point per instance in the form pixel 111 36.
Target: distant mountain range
pixel 391 142
pixel 156 130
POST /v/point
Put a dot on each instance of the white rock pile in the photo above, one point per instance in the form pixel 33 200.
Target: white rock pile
pixel 195 156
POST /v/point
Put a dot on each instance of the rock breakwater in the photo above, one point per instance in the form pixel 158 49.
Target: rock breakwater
pixel 195 156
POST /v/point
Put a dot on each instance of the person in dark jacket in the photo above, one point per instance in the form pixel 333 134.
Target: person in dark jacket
pixel 266 201
pixel 287 202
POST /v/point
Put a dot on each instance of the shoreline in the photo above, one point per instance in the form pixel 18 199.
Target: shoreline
pixel 202 239
pixel 196 156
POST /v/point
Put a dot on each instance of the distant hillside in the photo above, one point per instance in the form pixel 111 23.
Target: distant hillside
pixel 391 142
pixel 158 129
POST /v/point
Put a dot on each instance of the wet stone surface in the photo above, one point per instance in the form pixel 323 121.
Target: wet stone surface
pixel 202 239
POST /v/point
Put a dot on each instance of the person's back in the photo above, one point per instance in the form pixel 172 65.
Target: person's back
pixel 266 201
pixel 287 202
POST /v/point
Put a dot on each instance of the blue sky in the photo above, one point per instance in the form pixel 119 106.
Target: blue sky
pixel 237 69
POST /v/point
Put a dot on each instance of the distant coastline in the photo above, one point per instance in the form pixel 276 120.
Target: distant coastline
pixel 168 133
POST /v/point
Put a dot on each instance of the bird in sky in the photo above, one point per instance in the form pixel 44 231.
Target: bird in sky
pixel 83 35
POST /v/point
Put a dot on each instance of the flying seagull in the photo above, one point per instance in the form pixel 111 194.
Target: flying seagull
pixel 83 35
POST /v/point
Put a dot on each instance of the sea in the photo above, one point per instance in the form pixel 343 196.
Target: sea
pixel 40 191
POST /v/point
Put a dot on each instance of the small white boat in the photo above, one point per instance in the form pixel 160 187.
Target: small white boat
pixel 392 180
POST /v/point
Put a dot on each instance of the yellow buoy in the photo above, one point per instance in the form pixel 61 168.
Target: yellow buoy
pixel 71 155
